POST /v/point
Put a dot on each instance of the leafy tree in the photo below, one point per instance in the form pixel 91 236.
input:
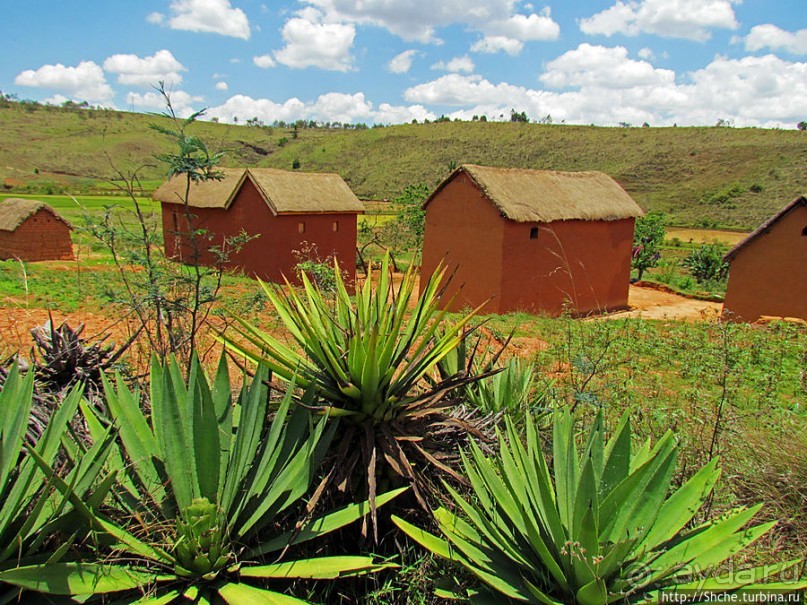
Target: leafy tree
pixel 516 116
pixel 410 215
pixel 802 125
pixel 170 300
pixel 706 263
pixel 647 239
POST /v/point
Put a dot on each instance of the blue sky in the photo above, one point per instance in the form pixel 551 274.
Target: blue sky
pixel 685 62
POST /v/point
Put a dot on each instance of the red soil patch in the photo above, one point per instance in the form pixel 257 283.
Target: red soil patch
pixel 655 301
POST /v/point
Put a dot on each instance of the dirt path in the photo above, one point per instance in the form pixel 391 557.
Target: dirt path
pixel 656 303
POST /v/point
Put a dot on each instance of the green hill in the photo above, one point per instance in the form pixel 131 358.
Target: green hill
pixel 700 176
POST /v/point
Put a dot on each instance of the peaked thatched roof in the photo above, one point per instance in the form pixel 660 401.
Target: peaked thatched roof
pixel 305 192
pixel 14 211
pixel 765 227
pixel 285 192
pixel 543 196
pixel 206 194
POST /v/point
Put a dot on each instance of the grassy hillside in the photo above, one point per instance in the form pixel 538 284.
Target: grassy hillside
pixel 700 176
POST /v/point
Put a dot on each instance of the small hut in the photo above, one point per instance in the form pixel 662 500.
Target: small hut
pixel 31 230
pixel 768 269
pixel 531 240
pixel 287 214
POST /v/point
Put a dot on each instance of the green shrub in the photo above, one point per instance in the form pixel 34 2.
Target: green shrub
pixel 706 263
pixel 648 236
pixel 410 215
pixel 722 197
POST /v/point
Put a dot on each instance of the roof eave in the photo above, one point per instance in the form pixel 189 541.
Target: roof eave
pixel 442 185
pixel 765 227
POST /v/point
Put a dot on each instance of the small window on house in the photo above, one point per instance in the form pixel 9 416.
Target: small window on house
pixel 300 227
pixel 176 222
pixel 534 233
pixel 804 232
pixel 335 226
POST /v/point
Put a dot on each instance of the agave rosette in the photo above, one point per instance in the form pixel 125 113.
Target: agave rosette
pixel 204 483
pixel 600 527
pixel 367 356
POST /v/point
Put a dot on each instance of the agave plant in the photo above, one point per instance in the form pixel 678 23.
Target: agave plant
pixel 367 357
pixel 605 530
pixel 204 484
pixel 502 387
pixel 64 358
pixel 509 391
pixel 29 511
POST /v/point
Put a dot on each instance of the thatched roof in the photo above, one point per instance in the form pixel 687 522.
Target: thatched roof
pixel 205 194
pixel 544 196
pixel 305 192
pixel 14 211
pixel 285 192
pixel 765 227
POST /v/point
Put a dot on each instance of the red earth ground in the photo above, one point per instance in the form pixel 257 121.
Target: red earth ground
pixel 16 321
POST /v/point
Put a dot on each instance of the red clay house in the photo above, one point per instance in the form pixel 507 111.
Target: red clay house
pixel 768 274
pixel 531 240
pixel 287 211
pixel 32 231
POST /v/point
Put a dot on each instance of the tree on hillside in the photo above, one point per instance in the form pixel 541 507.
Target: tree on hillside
pixel 802 125
pixel 516 116
pixel 647 239
pixel 410 215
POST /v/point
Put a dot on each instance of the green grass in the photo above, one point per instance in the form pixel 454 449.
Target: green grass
pixel 740 385
pixel 728 177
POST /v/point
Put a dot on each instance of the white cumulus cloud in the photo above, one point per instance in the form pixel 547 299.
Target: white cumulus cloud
pixel 329 107
pixel 264 61
pixel 146 71
pixel 456 65
pixel 311 43
pixel 182 102
pixel 590 65
pixel 759 91
pixel 213 16
pixel 402 62
pixel 402 114
pixel 495 44
pixel 421 19
pixel 459 90
pixel 84 82
pixel 222 86
pixel 690 19
pixel 525 27
pixel 775 38
pixel 600 85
